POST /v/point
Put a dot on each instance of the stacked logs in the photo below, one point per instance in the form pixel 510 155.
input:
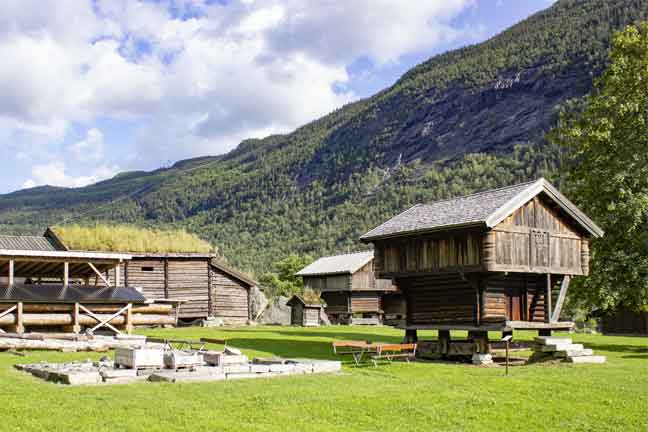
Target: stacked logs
pixel 35 314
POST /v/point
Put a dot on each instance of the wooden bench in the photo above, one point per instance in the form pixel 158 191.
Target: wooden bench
pixel 375 351
pixel 356 349
pixel 390 352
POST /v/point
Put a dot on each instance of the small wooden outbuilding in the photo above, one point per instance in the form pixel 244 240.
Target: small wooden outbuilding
pixel 208 287
pixel 496 260
pixel 348 285
pixel 304 313
pixel 623 321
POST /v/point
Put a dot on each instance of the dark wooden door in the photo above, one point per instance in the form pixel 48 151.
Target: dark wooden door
pixel 514 303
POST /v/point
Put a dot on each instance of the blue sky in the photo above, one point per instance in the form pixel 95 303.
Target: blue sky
pixel 89 89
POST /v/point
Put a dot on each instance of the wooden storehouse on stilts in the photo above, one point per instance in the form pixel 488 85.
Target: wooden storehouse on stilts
pixel 44 286
pixel 498 260
pixel 348 286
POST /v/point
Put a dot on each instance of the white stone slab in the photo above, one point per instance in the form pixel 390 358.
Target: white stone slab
pixel 561 347
pixel 282 368
pixel 78 378
pixel 587 359
pixel 574 353
pixel 236 368
pixel 551 340
pixel 234 359
pixel 258 368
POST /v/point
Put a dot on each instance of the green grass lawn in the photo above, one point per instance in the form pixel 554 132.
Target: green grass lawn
pixel 397 397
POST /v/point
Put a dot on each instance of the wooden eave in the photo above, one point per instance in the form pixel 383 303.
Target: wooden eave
pixel 561 200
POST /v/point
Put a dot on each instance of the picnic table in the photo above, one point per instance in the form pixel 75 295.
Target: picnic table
pixel 360 350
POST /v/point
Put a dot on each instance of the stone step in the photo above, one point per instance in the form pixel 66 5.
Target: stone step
pixel 561 347
pixel 551 340
pixel 598 359
pixel 574 353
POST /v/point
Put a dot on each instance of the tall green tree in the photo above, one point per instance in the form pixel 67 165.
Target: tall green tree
pixel 282 280
pixel 608 173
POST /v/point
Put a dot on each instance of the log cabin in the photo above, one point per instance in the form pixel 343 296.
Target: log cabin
pixel 46 287
pixel 348 286
pixel 496 260
pixel 206 287
pixel 304 313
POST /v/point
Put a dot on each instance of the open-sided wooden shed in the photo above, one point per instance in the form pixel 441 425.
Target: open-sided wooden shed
pixel 45 286
pixel 348 285
pixel 623 321
pixel 496 260
pixel 208 287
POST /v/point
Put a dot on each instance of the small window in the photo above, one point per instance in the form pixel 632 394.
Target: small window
pixel 147 269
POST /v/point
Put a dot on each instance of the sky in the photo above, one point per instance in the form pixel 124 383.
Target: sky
pixel 92 88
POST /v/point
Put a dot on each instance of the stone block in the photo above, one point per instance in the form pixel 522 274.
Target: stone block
pixel 551 340
pixel 574 353
pixel 236 368
pixel 77 378
pixel 234 359
pixel 258 368
pixel 561 347
pixel 587 359
pixel 325 366
pixel 482 359
pixel 213 358
pixel 232 376
pixel 282 368
pixel 108 374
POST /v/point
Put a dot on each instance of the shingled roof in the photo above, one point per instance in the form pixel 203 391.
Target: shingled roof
pixel 485 209
pixel 27 243
pixel 337 264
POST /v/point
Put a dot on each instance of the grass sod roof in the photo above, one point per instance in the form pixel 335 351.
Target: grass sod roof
pixel 130 238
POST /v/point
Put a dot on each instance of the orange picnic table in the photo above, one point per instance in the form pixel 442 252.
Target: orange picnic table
pixel 359 350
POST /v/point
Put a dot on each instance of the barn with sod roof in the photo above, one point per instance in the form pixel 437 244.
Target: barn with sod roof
pixel 352 294
pixel 496 260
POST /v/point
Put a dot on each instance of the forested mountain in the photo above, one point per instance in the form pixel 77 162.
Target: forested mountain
pixel 466 120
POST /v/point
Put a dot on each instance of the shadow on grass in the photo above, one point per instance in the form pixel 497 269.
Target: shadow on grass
pixel 301 332
pixel 286 348
pixel 617 348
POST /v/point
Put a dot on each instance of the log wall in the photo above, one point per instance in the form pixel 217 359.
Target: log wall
pixel 230 299
pixel 336 303
pixel 188 280
pixel 428 254
pixel 364 302
pixel 439 299
pixel 147 275
pixel 516 297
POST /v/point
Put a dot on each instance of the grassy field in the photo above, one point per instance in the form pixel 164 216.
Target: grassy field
pixel 397 397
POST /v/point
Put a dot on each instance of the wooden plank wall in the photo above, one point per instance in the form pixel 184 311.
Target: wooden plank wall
pixel 328 283
pixel 536 238
pixel 230 298
pixel 297 315
pixel 625 322
pixel 439 299
pixel 188 279
pixel 311 317
pixel 365 302
pixel 427 254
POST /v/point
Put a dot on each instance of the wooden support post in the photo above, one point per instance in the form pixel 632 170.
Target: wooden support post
pixel 99 275
pixel 548 299
pixel 129 319
pixel 76 328
pixel 564 286
pixel 11 273
pixel 480 339
pixel 411 336
pixel 118 274
pixel 444 342
pixel 66 274
pixel 210 294
pixel 20 328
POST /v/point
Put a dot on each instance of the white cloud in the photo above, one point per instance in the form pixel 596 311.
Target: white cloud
pixel 90 148
pixel 194 85
pixel 54 174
